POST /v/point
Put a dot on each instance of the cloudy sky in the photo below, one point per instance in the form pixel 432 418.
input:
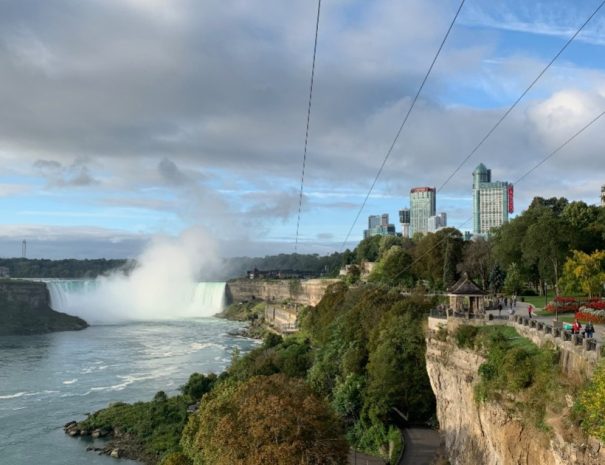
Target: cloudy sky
pixel 125 119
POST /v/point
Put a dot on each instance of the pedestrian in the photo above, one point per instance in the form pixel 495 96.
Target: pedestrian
pixel 589 330
pixel 530 310
pixel 576 327
pixel 505 302
pixel 499 310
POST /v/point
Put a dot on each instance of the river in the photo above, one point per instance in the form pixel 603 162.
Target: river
pixel 49 379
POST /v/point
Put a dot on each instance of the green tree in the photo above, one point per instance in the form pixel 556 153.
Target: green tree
pixel 513 284
pixel 394 268
pixel 496 279
pixel 477 260
pixel 368 249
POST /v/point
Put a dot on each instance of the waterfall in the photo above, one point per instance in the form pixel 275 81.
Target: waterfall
pixel 118 299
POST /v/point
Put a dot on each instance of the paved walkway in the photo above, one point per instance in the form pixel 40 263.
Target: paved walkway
pixel 358 458
pixel 421 446
pixel 521 309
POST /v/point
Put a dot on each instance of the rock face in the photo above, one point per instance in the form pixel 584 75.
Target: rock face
pixel 304 292
pixel 488 434
pixel 25 309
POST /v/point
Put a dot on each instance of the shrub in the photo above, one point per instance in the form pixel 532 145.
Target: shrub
pixel 590 405
pixel 465 336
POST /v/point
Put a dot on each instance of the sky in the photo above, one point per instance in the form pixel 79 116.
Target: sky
pixel 122 120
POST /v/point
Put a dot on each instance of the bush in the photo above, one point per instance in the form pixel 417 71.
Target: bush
pixel 514 365
pixel 198 385
pixel 590 406
pixel 465 336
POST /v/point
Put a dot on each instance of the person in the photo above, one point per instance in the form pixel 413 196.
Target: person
pixel 499 310
pixel 576 327
pixel 530 310
pixel 505 302
pixel 589 330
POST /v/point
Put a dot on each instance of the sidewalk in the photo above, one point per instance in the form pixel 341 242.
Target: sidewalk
pixel 521 309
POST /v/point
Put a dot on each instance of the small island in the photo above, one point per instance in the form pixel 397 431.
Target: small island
pixel 25 310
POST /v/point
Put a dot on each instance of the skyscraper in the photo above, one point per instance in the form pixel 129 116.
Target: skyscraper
pixel 492 201
pixel 378 225
pixel 404 220
pixel 423 203
pixel 437 222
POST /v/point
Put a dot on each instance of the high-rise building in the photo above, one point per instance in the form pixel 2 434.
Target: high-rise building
pixel 492 201
pixel 603 196
pixel 378 225
pixel 423 203
pixel 404 220
pixel 437 222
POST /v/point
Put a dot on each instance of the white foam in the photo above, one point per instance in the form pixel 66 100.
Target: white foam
pixel 14 396
pixel 71 381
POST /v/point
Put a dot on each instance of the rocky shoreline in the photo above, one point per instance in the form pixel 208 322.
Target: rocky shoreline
pixel 115 443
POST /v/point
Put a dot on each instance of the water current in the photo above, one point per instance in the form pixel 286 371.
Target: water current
pixel 47 380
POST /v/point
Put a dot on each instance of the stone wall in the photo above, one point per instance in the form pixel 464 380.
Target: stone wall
pixel 488 433
pixel 304 292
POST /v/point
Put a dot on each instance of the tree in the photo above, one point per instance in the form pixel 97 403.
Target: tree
pixel 265 420
pixel 396 370
pixel 585 272
pixel 513 284
pixel 496 279
pixel 477 260
pixel 368 249
pixel 394 268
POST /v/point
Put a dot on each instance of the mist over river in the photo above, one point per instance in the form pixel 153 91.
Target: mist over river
pixel 48 380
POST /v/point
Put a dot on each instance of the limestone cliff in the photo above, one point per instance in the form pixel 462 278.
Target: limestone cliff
pixel 25 309
pixel 490 434
pixel 304 292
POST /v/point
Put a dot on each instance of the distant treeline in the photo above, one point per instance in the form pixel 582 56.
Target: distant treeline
pixel 68 268
pixel 327 265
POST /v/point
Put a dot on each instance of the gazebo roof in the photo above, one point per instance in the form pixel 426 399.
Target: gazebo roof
pixel 466 286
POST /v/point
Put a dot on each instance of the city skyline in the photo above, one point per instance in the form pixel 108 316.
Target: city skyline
pixel 193 114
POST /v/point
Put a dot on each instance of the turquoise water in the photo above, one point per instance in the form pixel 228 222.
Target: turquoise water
pixel 48 380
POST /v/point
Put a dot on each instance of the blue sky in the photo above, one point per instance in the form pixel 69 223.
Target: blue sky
pixel 126 119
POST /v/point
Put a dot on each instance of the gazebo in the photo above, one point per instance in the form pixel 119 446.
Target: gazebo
pixel 466 298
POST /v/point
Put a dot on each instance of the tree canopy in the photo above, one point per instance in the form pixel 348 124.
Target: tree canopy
pixel 266 419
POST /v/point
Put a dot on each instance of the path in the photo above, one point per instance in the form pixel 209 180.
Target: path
pixel 521 309
pixel 421 446
pixel 358 458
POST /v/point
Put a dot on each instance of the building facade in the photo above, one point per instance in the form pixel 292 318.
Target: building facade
pixel 492 201
pixel 378 225
pixel 423 203
pixel 437 222
pixel 404 220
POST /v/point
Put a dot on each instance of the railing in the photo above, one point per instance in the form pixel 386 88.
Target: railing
pixel 557 331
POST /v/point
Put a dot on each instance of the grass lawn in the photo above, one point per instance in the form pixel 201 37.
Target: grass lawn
pixel 538 300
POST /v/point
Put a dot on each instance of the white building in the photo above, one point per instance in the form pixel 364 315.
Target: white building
pixel 423 202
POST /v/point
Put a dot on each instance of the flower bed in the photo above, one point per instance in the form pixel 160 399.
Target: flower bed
pixel 574 304
pixel 594 316
pixel 563 305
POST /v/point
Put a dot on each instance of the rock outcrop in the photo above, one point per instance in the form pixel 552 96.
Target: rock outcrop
pixel 488 433
pixel 25 309
pixel 304 292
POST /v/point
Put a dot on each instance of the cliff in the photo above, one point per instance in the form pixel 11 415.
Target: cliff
pixel 25 309
pixel 490 433
pixel 304 292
